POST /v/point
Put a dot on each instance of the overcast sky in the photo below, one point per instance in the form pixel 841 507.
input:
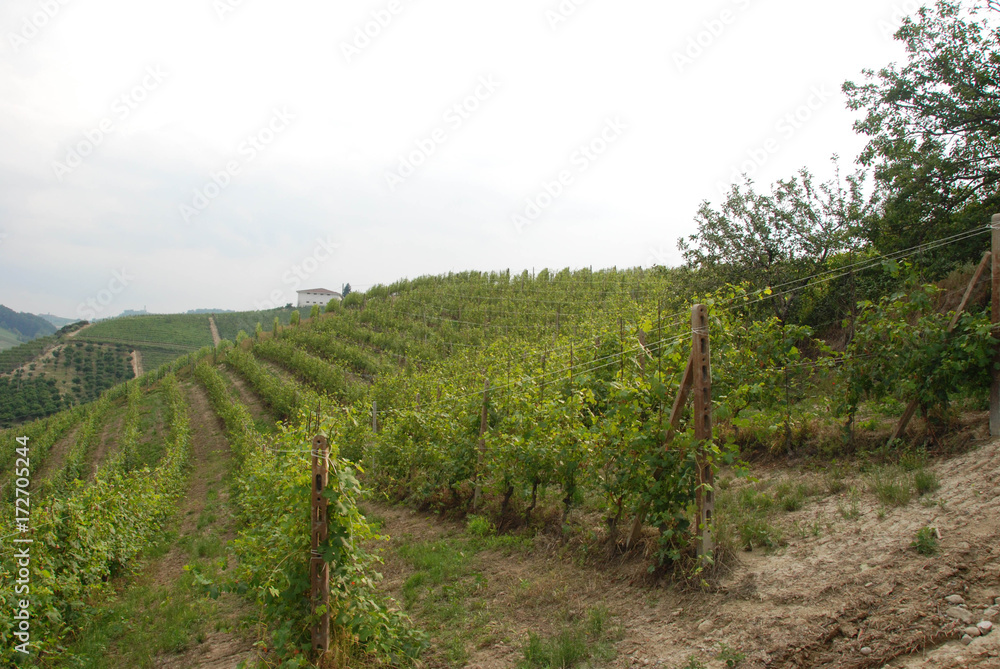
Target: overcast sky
pixel 222 153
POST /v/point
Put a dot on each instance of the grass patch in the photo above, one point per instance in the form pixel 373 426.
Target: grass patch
pixel 925 481
pixel 892 485
pixel 926 542
pixel 744 515
pixel 577 642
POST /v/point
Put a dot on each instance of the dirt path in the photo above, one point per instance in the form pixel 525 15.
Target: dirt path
pixel 204 513
pixel 76 332
pixel 137 363
pixel 840 585
pixel 253 404
pixel 56 456
pixel 107 444
pixel 215 331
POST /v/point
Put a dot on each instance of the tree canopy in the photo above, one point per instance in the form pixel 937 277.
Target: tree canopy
pixel 934 130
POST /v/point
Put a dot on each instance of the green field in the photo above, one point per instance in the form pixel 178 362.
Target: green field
pixel 190 331
pixel 230 324
pixel 8 339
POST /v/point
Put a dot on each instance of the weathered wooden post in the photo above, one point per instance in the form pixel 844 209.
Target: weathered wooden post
pixel 478 491
pixel 995 317
pixel 702 368
pixel 319 570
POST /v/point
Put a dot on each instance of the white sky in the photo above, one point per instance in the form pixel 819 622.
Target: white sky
pixel 337 124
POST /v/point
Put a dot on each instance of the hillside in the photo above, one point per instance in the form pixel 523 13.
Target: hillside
pixel 24 325
pixel 80 361
pixel 58 321
pixel 535 505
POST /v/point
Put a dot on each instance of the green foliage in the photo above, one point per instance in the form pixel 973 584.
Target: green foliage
pixel 295 319
pixel 925 481
pixel 931 129
pixel 353 300
pixel 902 347
pixel 774 240
pixel 892 485
pixel 188 330
pixel 272 494
pixel 333 306
pixel 324 376
pixel 314 312
pixel 281 397
pixel 926 542
pixel 729 655
pixel 87 534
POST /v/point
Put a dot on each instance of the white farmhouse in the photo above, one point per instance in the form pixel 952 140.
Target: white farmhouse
pixel 320 296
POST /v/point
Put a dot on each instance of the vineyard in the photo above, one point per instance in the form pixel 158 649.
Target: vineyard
pixel 538 412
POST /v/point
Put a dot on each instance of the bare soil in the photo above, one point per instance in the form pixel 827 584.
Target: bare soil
pixel 215 331
pixel 137 363
pixel 839 586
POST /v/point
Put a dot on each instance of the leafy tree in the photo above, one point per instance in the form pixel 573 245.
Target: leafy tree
pixel 773 240
pixel 934 131
pixel 294 320
pixel 346 290
pixel 333 306
pixel 314 312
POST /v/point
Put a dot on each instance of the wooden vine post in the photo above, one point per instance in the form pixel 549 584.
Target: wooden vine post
pixel 319 570
pixel 995 318
pixel 701 364
pixel 481 458
pixel 697 378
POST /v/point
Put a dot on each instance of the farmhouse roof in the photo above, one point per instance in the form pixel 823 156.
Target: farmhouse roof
pixel 318 290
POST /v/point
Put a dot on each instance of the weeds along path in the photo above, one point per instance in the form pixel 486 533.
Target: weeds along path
pixel 847 590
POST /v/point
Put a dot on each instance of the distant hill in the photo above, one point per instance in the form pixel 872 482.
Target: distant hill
pixel 210 311
pixel 58 321
pixel 27 326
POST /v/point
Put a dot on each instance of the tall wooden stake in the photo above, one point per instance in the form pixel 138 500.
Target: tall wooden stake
pixel 702 368
pixel 995 317
pixel 319 570
pixel 482 446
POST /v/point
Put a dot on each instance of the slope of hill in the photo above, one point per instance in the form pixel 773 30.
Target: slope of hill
pixel 27 326
pixel 58 321
pixel 8 339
